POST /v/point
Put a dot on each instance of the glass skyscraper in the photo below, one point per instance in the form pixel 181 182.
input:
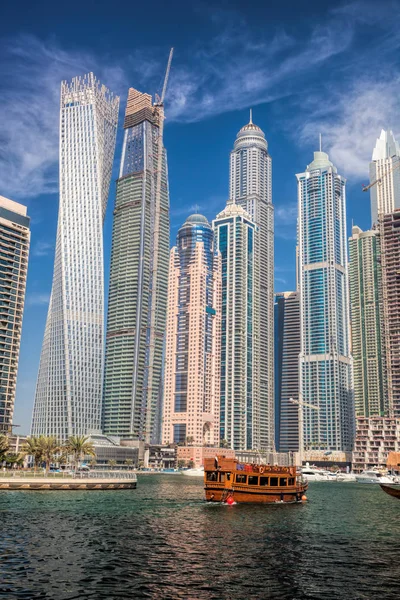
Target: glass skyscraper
pixel 69 385
pixel 241 423
pixel 192 354
pixel 14 247
pixel 251 188
pixel 325 359
pixel 367 328
pixel 385 196
pixel 137 302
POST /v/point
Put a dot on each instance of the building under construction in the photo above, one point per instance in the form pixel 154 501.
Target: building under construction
pixel 390 256
pixel 138 277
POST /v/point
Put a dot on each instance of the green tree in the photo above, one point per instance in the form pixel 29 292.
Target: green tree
pixel 189 440
pixel 224 444
pixel 14 459
pixel 112 463
pixel 190 464
pixel 32 447
pixel 129 462
pixel 79 446
pixel 181 464
pixel 4 447
pixel 51 448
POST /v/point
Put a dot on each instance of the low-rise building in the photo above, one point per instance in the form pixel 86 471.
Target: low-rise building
pixel 197 454
pixel 160 457
pixel 376 437
pixel 108 448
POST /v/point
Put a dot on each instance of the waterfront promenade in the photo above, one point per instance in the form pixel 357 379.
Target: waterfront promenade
pixel 101 480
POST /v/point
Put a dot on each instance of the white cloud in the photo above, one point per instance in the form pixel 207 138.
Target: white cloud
pixel 286 214
pixel 37 299
pixel 42 248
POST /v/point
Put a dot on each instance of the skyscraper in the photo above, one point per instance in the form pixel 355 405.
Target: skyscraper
pixel 137 302
pixel 325 359
pixel 385 197
pixel 243 420
pixel 251 188
pixel 14 248
pixel 390 257
pixel 192 354
pixel 69 385
pixel 287 350
pixel 368 348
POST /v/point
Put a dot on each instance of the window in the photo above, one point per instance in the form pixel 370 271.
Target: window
pixel 253 480
pixel 241 478
pixel 211 476
pixel 264 480
pixel 283 481
pixel 291 480
pixel 273 481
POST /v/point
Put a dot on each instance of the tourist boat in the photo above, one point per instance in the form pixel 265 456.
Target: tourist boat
pixel 228 481
pixel 196 472
pixel 374 476
pixel 392 490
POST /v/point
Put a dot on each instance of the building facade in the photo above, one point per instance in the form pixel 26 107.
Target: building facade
pixel 193 338
pixel 14 249
pixel 389 227
pixel 243 418
pixel 251 188
pixel 376 437
pixel 287 350
pixel 69 385
pixel 368 348
pixel 137 302
pixel 325 359
pixel 385 196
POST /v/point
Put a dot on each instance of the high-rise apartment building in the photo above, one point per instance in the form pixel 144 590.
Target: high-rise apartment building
pixel 69 385
pixel 192 349
pixel 325 359
pixel 244 420
pixel 14 248
pixel 368 348
pixel 137 302
pixel 251 188
pixel 389 228
pixel 385 197
pixel 287 350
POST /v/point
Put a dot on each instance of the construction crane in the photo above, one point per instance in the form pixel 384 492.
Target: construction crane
pixel 365 188
pixel 160 100
pixel 300 404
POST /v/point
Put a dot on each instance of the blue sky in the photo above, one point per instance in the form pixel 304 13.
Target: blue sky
pixel 305 67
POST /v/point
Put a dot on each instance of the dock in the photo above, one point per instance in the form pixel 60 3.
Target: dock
pixel 60 481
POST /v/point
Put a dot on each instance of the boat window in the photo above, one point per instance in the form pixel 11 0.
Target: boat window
pixel 283 481
pixel 211 476
pixel 253 480
pixel 291 480
pixel 222 477
pixel 264 480
pixel 240 478
pixel 273 481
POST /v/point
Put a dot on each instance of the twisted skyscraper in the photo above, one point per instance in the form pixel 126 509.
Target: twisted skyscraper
pixel 69 386
pixel 138 278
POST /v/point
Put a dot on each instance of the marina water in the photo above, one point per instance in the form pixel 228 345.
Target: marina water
pixel 162 541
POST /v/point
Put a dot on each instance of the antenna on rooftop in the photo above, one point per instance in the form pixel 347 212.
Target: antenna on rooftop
pixel 320 142
pixel 251 116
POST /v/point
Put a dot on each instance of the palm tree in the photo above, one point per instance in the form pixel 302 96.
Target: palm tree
pixel 79 446
pixel 224 444
pixel 112 463
pixel 33 448
pixel 4 446
pixel 129 462
pixel 50 447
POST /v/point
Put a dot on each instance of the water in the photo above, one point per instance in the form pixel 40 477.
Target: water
pixel 162 541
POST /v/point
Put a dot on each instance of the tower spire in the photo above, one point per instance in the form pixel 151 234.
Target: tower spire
pixel 251 116
pixel 320 142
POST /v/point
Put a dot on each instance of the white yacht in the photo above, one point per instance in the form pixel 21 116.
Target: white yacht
pixel 196 472
pixel 346 477
pixel 374 476
pixel 315 474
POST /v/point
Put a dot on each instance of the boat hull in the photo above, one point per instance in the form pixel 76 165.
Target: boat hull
pixel 391 490
pixel 255 496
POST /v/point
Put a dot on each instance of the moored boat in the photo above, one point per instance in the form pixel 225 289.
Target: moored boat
pixel 195 472
pixel 374 476
pixel 392 490
pixel 228 481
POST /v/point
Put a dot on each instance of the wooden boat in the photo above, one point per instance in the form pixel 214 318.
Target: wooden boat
pixel 392 490
pixel 228 481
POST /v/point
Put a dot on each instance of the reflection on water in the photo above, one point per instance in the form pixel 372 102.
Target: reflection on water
pixel 162 541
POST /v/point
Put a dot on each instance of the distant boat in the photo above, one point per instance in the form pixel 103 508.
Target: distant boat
pixel 374 476
pixel 196 472
pixel 392 490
